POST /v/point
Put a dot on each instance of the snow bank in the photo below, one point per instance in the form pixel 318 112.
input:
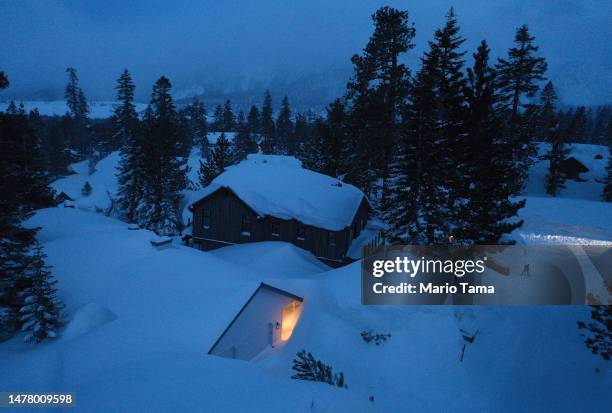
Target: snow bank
pixel 279 186
pixel 98 109
pixel 142 344
pixel 103 182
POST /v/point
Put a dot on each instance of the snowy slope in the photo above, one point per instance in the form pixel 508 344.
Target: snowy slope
pixel 98 110
pixel 142 320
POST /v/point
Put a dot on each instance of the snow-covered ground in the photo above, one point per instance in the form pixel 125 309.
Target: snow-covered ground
pixel 98 109
pixel 141 320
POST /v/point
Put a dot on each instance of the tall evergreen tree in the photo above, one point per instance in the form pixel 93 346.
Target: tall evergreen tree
pixel 4 82
pixel 417 194
pixel 334 136
pixel 449 87
pixel 607 190
pixel 489 212
pixel 218 124
pixel 197 127
pixel 244 143
pixel 519 77
pixel 228 117
pixel 164 166
pixel 40 313
pixel 253 120
pixel 547 116
pixel 267 126
pixel 555 180
pixel 221 157
pixel 23 188
pixel 125 118
pixel 79 114
pixel 284 129
pixel 131 168
pixel 376 94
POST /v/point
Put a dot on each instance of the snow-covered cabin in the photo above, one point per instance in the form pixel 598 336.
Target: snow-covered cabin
pixel 572 168
pixel 266 319
pixel 273 198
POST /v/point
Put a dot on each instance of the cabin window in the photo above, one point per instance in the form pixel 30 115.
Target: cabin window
pixel 206 218
pixel 246 226
pixel 331 237
pixel 275 229
pixel 331 240
pixel 301 233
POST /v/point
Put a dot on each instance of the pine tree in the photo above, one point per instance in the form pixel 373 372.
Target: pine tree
pixel 607 190
pixel 518 78
pixel 228 117
pixel 489 212
pixel 165 169
pixel 218 124
pixel 253 120
pixel 449 86
pixel 555 180
pixel 284 129
pixel 125 118
pixel 333 139
pixel 221 157
pixel 547 116
pixel 23 188
pixel 268 129
pixel 577 126
pixel 375 95
pixel 311 151
pixel 4 82
pixel 130 174
pixel 40 313
pixel 198 126
pixel 419 211
pixel 244 143
pixel 79 114
pixel 309 368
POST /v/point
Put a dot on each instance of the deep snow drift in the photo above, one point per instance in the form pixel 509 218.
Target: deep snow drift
pixel 141 320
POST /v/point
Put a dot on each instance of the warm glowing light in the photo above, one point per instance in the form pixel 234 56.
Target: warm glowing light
pixel 291 314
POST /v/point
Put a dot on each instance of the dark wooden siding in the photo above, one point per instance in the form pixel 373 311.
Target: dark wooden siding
pixel 226 216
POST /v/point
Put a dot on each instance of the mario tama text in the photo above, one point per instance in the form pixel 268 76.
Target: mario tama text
pixel 449 274
pixel 422 266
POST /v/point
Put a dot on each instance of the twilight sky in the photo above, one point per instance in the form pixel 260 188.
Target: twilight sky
pixel 236 46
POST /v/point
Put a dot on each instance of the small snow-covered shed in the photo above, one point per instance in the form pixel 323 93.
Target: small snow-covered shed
pixel 572 168
pixel 266 319
pixel 62 197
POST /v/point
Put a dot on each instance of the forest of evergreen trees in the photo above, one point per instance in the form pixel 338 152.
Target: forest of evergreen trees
pixel 440 151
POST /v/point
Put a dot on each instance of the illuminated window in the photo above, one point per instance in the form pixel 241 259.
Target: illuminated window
pixel 291 314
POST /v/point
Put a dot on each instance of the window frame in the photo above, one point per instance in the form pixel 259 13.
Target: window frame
pixel 206 217
pixel 246 225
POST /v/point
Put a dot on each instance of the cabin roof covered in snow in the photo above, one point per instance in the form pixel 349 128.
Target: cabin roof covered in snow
pixel 279 186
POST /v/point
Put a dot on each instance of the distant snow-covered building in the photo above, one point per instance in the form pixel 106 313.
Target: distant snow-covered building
pixel 267 318
pixel 273 198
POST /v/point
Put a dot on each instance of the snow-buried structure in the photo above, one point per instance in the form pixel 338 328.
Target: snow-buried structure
pixel 266 319
pixel 273 198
